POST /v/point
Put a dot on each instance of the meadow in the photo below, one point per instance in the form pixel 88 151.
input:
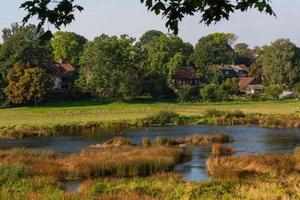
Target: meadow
pixel 85 111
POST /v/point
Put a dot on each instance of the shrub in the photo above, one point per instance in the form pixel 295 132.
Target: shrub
pixel 27 85
pixel 273 91
pixel 213 113
pixel 235 114
pixel 184 93
pixel 163 118
pixel 209 93
pixel 296 89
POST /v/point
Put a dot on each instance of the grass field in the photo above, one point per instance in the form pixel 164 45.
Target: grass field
pixel 93 110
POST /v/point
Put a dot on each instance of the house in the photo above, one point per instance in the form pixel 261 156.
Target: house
pixel 186 76
pixel 233 71
pixel 62 75
pixel 250 85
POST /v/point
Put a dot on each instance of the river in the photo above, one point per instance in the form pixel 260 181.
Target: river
pixel 247 139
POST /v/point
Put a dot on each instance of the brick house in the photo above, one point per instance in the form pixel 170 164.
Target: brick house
pixel 250 85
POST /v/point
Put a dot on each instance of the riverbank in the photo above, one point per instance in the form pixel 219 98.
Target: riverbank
pixel 210 116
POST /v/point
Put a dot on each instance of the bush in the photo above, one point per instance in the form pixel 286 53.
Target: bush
pixel 213 113
pixel 188 93
pixel 221 150
pixel 163 118
pixel 296 89
pixel 210 93
pixel 273 91
pixel 235 114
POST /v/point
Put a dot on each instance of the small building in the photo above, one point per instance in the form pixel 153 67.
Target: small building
pixel 62 76
pixel 250 85
pixel 186 76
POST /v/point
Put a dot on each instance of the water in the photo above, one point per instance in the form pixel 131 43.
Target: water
pixel 247 139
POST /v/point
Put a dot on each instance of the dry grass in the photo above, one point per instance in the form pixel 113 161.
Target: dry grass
pixel 221 150
pixel 235 167
pixel 196 139
pixel 96 162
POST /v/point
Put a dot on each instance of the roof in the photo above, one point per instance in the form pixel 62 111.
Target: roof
pixel 186 73
pixel 245 81
pixel 63 69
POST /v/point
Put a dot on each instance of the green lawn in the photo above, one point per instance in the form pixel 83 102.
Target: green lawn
pixel 95 110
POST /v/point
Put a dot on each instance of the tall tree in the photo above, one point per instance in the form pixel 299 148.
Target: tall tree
pixel 27 85
pixel 21 44
pixel 68 46
pixel 104 62
pixel 242 50
pixel 165 55
pixel 150 36
pixel 280 61
pixel 213 49
pixel 61 12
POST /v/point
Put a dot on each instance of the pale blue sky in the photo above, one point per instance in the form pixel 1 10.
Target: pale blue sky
pixel 115 17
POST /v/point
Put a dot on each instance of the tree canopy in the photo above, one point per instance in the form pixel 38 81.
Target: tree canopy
pixel 61 12
pixel 68 46
pixel 21 45
pixel 280 61
pixel 213 49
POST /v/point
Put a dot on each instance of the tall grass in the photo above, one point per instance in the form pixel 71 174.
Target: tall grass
pixel 237 167
pixel 96 162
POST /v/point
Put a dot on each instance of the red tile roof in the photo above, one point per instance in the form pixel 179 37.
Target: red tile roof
pixel 62 69
pixel 245 81
pixel 186 73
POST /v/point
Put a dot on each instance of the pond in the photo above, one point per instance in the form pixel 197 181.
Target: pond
pixel 247 139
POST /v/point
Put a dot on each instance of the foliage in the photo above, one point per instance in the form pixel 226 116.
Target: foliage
pixel 214 76
pixel 230 86
pixel 280 62
pixel 108 67
pixel 213 49
pixel 242 50
pixel 150 36
pixel 210 93
pixel 27 85
pixel 296 89
pixel 60 13
pixel 273 91
pixel 68 46
pixel 165 55
pixel 184 93
pixel 163 118
pixel 21 45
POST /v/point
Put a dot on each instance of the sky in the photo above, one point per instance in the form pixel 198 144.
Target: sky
pixel 115 17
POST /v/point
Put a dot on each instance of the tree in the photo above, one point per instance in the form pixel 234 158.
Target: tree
pixel 27 84
pixel 242 50
pixel 213 49
pixel 280 61
pixel 105 62
pixel 61 12
pixel 68 46
pixel 243 54
pixel 164 55
pixel 21 45
pixel 150 36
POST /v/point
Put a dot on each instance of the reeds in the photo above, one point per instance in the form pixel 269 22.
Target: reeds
pixel 221 150
pixel 96 162
pixel 237 167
